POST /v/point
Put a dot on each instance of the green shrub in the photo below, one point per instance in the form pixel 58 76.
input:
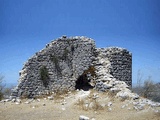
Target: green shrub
pixel 54 59
pixel 1 87
pixel 1 95
pixel 65 54
pixel 149 90
pixel 44 75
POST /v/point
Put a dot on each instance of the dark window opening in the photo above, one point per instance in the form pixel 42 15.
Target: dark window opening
pixel 83 83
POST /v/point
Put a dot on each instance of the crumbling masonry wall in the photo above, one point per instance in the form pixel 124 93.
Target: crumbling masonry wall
pixel 64 60
pixel 112 64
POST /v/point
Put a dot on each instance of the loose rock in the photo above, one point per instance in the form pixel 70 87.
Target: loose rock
pixel 82 117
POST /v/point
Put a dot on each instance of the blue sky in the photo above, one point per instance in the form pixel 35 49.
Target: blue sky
pixel 27 25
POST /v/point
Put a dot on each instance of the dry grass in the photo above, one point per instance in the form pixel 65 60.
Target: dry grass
pixel 97 106
pixel 81 104
pixel 111 95
pixel 157 114
pixel 61 94
pixel 92 108
pixel 90 105
pixel 91 102
pixel 57 95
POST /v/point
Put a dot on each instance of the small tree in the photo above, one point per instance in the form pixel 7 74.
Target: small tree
pixel 139 78
pixel 1 87
pixel 7 91
pixel 148 88
pixel 156 93
pixel 138 88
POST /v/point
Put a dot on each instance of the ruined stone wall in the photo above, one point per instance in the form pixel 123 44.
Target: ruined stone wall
pixel 120 63
pixel 61 63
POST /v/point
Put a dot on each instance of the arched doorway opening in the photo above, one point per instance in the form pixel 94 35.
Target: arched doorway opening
pixel 83 83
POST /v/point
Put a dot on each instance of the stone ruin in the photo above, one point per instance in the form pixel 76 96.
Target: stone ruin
pixel 70 63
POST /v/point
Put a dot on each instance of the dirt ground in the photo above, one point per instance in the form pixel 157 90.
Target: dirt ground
pixel 67 108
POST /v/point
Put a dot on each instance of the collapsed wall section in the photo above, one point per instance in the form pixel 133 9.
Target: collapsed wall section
pixel 56 67
pixel 114 63
pixel 113 67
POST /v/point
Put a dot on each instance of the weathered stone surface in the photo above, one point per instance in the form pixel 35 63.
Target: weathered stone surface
pixel 82 117
pixel 62 62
